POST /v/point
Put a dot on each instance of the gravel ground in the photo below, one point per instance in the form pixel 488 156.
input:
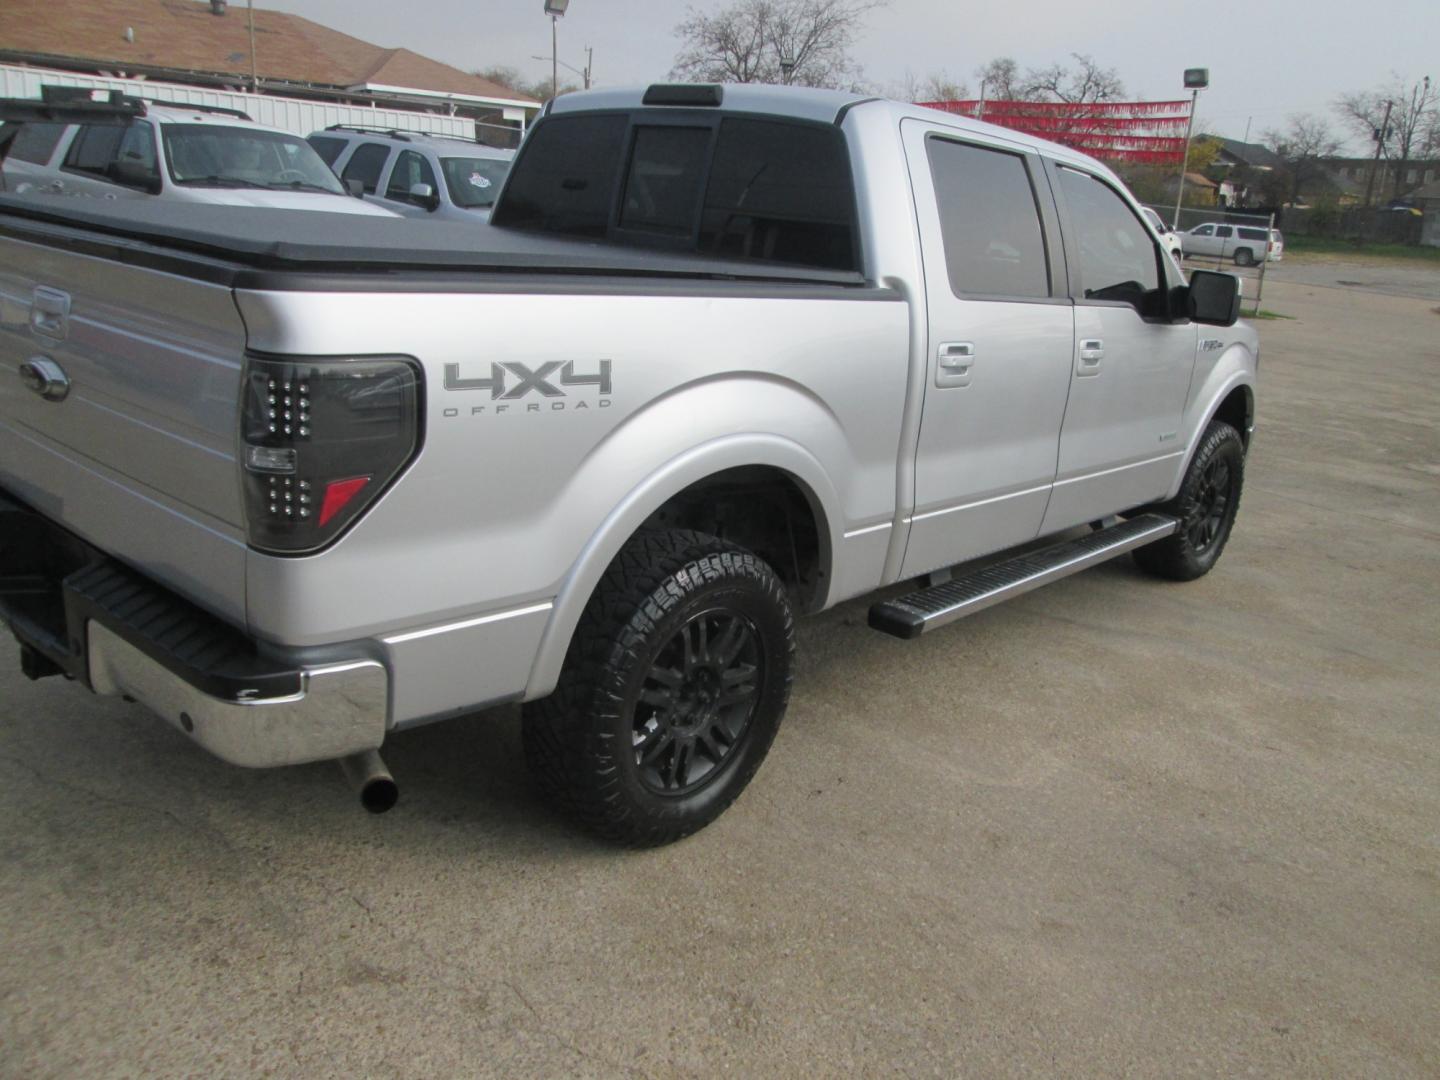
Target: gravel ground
pixel 1113 827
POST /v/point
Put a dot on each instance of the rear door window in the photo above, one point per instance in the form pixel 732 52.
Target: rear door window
pixel 1224 232
pixel 1253 234
pixel 366 164
pixel 990 221
pixel 35 142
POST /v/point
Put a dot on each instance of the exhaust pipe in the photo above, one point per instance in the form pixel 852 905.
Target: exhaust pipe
pixel 371 780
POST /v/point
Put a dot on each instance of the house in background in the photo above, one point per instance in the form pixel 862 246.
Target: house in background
pixel 210 45
pixel 1352 178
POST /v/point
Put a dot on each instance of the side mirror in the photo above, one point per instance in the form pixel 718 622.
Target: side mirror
pixel 355 186
pixel 1213 298
pixel 424 195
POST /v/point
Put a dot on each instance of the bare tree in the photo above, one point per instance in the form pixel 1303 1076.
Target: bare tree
pixel 1084 84
pixel 805 42
pixel 937 86
pixel 1413 130
pixel 1301 144
pixel 1000 80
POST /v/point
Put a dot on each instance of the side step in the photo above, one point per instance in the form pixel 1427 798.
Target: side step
pixel 913 614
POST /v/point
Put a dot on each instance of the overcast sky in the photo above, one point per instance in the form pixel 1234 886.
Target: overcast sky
pixel 1268 59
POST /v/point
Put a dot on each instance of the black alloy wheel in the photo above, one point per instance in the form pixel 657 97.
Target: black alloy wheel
pixel 696 701
pixel 674 686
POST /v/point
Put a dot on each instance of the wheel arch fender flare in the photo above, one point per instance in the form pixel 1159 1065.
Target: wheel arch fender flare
pixel 1225 380
pixel 649 495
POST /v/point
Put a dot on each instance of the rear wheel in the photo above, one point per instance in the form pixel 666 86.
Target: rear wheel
pixel 672 692
pixel 1206 506
pixel 1244 257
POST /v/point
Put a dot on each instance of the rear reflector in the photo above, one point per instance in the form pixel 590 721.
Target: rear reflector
pixel 337 494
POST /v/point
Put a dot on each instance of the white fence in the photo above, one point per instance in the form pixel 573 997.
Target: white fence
pixel 291 114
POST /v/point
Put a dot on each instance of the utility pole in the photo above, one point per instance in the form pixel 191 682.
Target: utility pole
pixel 1380 134
pixel 254 79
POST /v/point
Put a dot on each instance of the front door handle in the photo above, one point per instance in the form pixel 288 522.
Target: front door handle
pixel 954 361
pixel 1092 351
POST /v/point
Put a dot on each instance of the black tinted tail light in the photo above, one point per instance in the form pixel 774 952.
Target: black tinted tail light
pixel 321 440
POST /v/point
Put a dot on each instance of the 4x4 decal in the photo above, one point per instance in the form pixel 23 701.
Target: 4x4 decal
pixel 537 379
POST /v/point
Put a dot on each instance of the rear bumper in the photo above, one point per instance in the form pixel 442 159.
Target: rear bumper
pixel 77 612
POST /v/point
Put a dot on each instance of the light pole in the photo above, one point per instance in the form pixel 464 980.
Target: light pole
pixel 1196 79
pixel 555 9
pixel 589 60
pixel 787 67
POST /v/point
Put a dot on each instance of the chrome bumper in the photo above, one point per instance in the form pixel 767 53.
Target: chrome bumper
pixel 339 710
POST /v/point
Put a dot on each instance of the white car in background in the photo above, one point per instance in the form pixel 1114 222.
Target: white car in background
pixel 189 153
pixel 1168 238
pixel 1247 245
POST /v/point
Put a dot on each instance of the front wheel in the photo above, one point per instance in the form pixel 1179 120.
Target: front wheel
pixel 1206 506
pixel 672 691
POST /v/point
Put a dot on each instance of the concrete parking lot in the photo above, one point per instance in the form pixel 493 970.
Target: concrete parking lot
pixel 1116 827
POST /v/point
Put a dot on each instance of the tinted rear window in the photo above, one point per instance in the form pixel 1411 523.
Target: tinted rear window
pixel 564 180
pixel 775 191
pixel 781 192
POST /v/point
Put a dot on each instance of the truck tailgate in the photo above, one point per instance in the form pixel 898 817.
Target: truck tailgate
pixel 138 456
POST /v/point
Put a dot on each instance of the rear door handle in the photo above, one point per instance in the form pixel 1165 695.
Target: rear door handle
pixel 1092 351
pixel 954 361
pixel 50 312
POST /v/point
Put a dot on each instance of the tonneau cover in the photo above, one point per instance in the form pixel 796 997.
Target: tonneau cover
pixel 309 240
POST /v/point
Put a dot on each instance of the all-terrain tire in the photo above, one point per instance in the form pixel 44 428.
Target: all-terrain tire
pixel 1206 505
pixel 673 688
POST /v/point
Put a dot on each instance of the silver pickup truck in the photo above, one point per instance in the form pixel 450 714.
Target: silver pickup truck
pixel 725 355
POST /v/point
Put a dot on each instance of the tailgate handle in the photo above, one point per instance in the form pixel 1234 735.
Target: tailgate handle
pixel 50 313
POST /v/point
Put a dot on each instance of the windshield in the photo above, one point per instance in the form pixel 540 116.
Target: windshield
pixel 1153 218
pixel 474 182
pixel 213 155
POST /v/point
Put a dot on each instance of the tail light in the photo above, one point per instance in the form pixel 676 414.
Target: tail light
pixel 320 441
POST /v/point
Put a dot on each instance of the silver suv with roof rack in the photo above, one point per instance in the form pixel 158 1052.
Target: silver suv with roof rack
pixel 416 173
pixel 139 148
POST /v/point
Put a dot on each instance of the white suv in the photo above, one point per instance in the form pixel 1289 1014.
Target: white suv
pixel 416 173
pixel 1243 243
pixel 190 153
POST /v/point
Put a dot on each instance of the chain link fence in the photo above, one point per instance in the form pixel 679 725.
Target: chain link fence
pixel 1232 241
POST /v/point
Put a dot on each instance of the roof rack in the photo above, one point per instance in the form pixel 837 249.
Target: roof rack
pixel 402 134
pixel 74 105
pixel 71 105
pixel 189 106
